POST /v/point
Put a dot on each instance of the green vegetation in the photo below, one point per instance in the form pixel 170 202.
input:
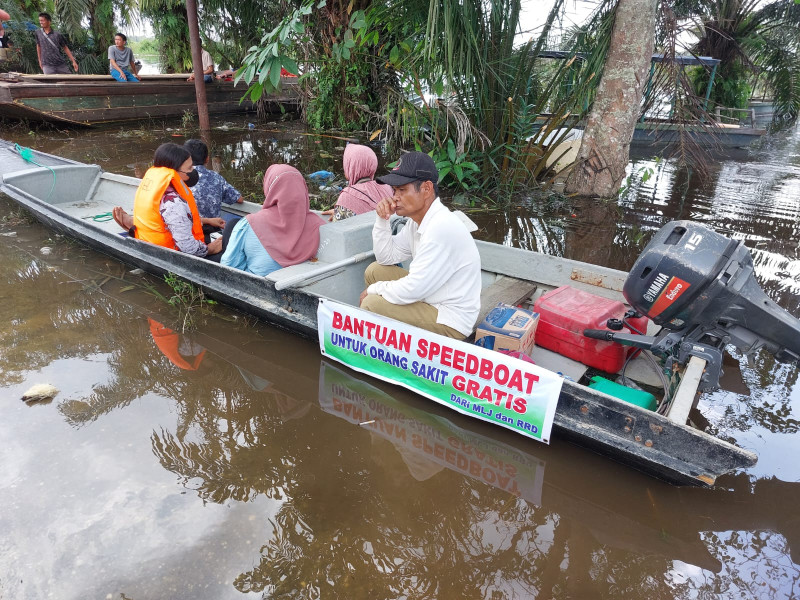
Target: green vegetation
pixel 447 76
pixel 752 39
pixel 446 79
pixel 187 298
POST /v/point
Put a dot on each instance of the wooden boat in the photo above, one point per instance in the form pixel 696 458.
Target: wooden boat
pixel 71 198
pixel 720 135
pixel 91 99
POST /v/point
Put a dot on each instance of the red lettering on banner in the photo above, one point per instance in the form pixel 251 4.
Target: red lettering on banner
pixel 459 382
pixel 422 347
pixel 337 320
pixel 405 343
pixel 486 393
pixel 531 379
pixel 516 380
pixel 501 374
pixel 520 406
pixel 358 327
pixel 447 356
pixel 458 360
pixel 499 395
pixel 486 369
pixel 416 440
pixel 472 364
pixel 472 387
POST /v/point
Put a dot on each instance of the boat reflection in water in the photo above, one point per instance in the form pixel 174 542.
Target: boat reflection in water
pixel 428 442
pixel 574 502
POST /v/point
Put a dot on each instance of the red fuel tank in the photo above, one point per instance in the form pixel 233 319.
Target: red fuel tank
pixel 563 315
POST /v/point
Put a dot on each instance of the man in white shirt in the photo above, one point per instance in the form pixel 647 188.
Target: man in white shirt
pixel 208 67
pixel 441 290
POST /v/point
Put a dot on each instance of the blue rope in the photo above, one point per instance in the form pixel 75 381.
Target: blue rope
pixel 27 155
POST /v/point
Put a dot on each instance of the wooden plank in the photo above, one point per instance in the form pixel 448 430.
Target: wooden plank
pixel 504 289
pixel 684 397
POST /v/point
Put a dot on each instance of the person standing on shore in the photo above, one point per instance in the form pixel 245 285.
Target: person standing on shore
pixel 49 44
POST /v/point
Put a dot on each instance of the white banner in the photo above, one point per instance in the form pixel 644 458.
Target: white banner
pixel 474 381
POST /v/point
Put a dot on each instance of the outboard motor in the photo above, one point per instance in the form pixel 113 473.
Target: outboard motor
pixel 700 287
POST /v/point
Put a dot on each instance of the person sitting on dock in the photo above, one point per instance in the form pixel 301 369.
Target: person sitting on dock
pixel 208 67
pixel 362 193
pixel 49 44
pixel 441 290
pixel 5 40
pixel 283 233
pixel 164 210
pixel 211 189
pixel 121 63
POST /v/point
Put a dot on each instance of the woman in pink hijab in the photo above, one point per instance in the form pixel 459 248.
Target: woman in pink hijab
pixel 363 192
pixel 283 233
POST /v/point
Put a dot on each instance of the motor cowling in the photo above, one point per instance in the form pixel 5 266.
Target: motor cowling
pixel 692 280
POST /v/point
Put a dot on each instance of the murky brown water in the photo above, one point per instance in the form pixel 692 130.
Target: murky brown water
pixel 231 463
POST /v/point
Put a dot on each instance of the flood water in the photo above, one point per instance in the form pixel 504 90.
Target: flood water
pixel 234 462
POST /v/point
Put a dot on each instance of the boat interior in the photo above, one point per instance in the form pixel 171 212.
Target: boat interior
pixel 510 275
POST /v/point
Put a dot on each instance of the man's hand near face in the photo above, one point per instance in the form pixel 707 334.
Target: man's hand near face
pixel 386 208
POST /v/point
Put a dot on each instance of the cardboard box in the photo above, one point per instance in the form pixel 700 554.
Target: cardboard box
pixel 507 328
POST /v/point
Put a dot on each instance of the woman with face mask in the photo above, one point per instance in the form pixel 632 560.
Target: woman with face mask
pixel 164 210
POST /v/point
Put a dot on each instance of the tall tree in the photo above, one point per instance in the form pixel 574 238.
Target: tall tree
pixel 603 155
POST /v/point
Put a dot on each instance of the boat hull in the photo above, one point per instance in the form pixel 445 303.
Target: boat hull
pixel 78 101
pixel 631 435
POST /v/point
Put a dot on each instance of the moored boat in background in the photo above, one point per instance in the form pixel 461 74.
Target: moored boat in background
pixel 92 99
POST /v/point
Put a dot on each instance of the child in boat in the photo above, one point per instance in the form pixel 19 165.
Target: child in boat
pixel 283 233
pixel 363 193
pixel 164 210
pixel 211 189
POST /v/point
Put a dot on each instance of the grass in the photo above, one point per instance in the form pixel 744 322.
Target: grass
pixel 187 298
pixel 16 217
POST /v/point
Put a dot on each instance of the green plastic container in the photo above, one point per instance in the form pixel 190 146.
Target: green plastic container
pixel 637 397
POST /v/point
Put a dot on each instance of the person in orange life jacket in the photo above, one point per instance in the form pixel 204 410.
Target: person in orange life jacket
pixel 164 210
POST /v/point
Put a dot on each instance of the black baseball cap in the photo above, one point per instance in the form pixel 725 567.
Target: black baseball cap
pixel 413 166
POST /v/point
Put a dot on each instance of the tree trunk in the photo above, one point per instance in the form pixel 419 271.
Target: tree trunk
pixel 603 156
pixel 197 65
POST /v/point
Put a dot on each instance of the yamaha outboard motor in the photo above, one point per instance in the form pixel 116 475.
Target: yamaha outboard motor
pixel 700 287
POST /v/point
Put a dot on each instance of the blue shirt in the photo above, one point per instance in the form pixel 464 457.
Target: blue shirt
pixel 246 253
pixel 211 190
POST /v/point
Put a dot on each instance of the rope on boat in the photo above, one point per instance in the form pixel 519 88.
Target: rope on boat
pixel 27 155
